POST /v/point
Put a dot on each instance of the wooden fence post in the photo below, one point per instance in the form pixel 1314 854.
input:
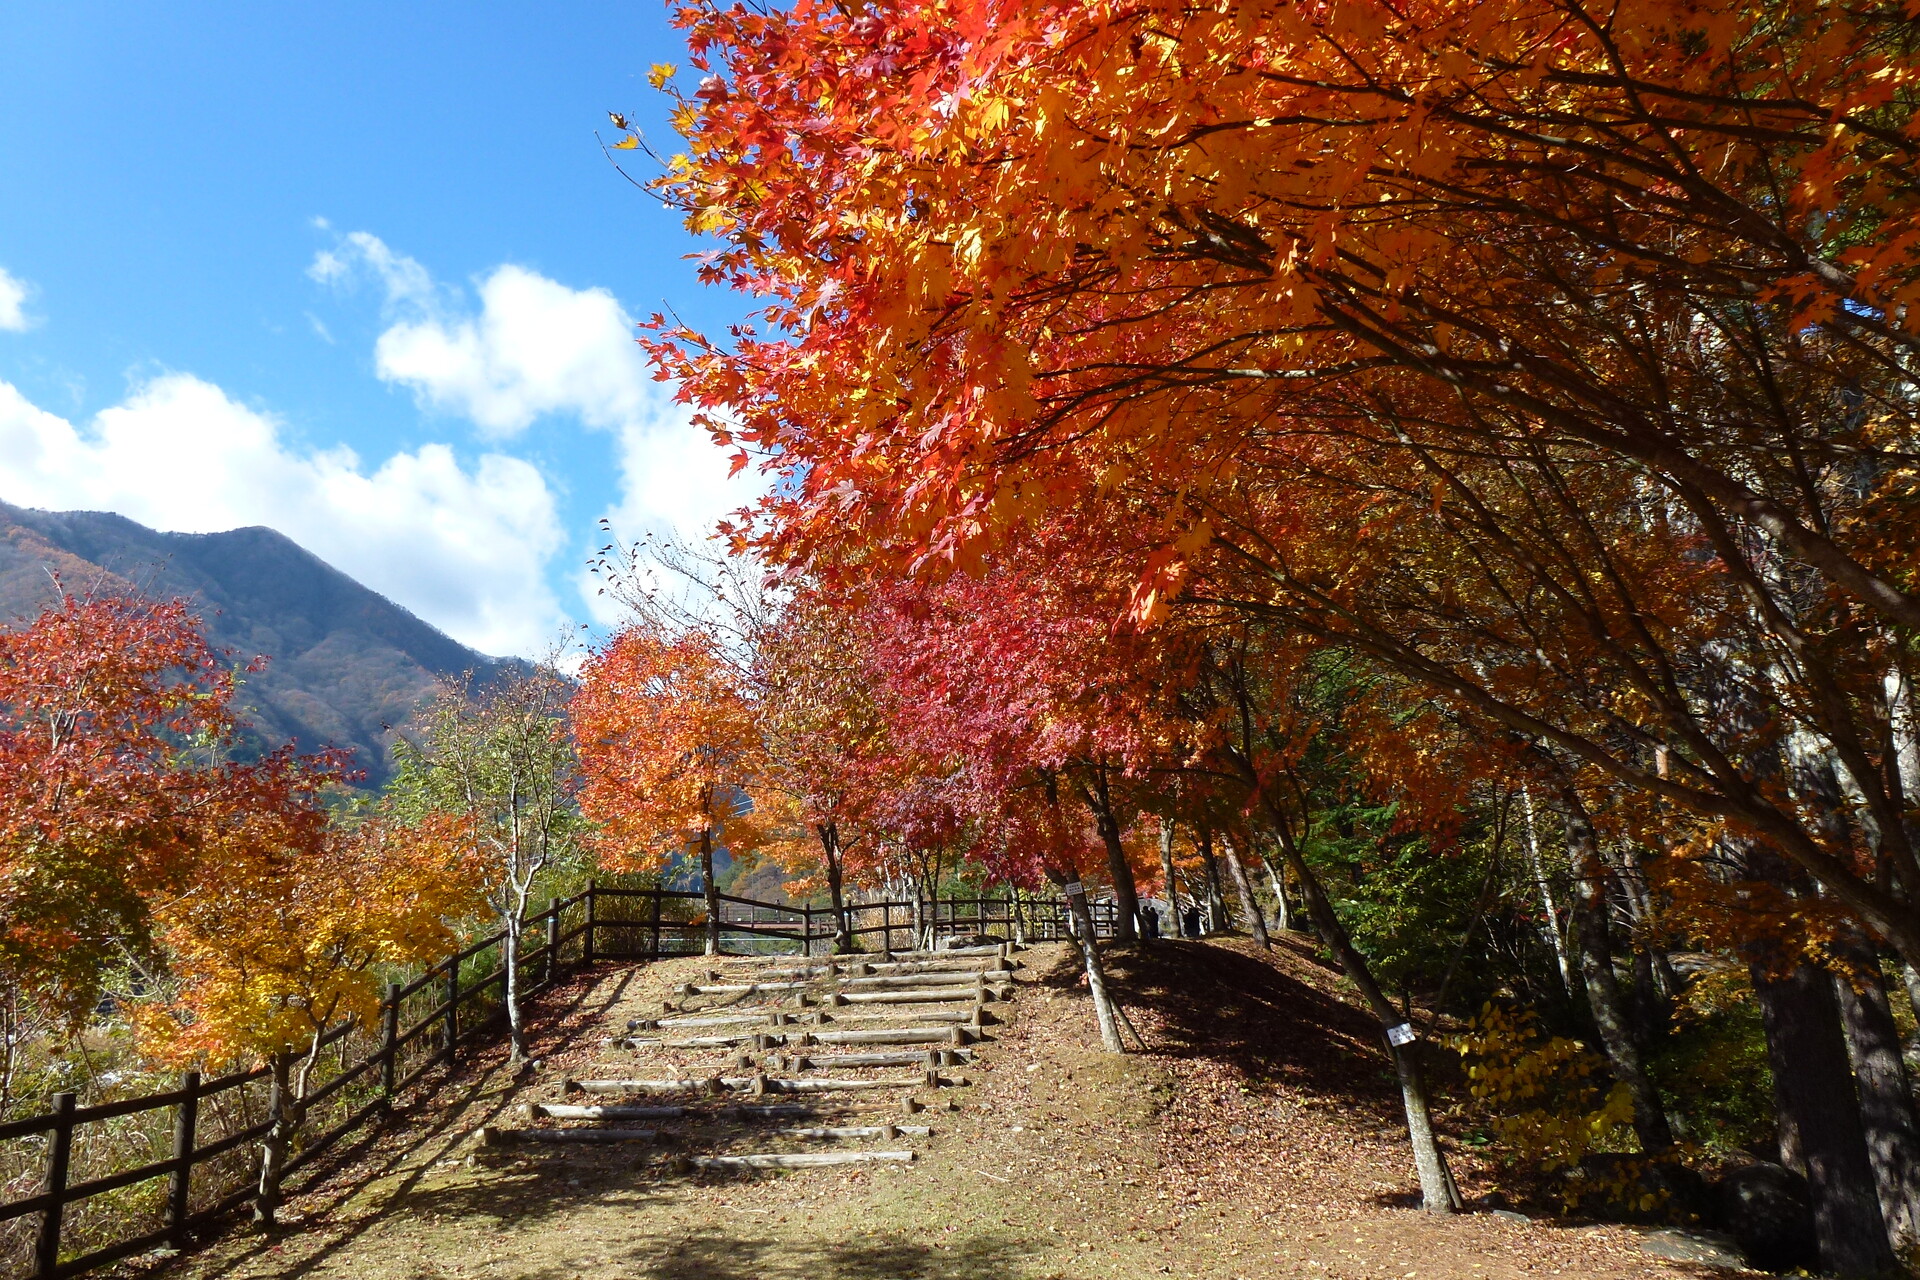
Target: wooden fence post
pixel 806 928
pixel 586 938
pixel 46 1245
pixel 553 944
pixel 186 1122
pixel 886 925
pixel 452 1031
pixel 390 1039
pixel 653 920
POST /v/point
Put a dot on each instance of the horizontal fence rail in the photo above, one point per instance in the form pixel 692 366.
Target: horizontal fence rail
pixel 176 1162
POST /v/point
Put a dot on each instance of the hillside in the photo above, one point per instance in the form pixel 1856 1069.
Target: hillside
pixel 345 663
pixel 1256 1135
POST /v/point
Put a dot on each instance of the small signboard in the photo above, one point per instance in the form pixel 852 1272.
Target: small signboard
pixel 1073 887
pixel 1400 1035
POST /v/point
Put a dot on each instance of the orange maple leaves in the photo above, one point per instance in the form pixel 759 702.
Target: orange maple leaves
pixel 668 745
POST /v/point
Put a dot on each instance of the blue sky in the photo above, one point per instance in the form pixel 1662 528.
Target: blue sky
pixel 357 271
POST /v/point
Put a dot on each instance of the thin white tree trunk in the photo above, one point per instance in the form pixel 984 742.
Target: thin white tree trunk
pixel 1438 1191
pixel 1089 944
pixel 1551 925
pixel 1243 887
pixel 1283 918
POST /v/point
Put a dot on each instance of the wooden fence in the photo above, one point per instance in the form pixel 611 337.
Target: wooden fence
pixel 206 1126
pixel 650 924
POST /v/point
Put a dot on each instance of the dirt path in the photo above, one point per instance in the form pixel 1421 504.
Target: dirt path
pixel 1257 1139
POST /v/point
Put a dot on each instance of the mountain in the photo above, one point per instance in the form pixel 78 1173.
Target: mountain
pixel 345 664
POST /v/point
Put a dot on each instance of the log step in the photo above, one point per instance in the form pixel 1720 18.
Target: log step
pixel 969 1016
pixel 958 1034
pixel 937 995
pixel 739 989
pixel 712 1084
pixel 888 1132
pixel 821 1084
pixel 686 1042
pixel 492 1137
pixel 802 1160
pixel 938 978
pixel 682 1024
pixel 565 1111
pixel 972 964
pixel 834 1061
pixel 738 1084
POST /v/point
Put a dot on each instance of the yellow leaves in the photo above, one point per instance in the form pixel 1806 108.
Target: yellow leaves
pixel 709 219
pixel 279 938
pixel 1050 107
pixel 1541 1089
pixel 968 247
pixel 660 74
pixel 629 143
pixel 1194 538
pixel 994 115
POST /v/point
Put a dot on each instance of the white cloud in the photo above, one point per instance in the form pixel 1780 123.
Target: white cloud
pixel 14 293
pixel 535 348
pixel 403 278
pixel 465 548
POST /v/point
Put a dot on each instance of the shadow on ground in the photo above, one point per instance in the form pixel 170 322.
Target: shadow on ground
pixel 713 1255
pixel 424 1131
pixel 1226 1001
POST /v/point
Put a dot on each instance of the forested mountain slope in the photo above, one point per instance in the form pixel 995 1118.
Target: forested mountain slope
pixel 345 663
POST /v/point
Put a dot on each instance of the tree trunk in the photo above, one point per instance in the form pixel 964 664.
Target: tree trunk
pixel 516 1030
pixel 836 893
pixel 1171 883
pixel 1550 925
pixel 1237 871
pixel 1604 998
pixel 712 891
pixel 1216 901
pixel 1126 895
pixel 1089 944
pixel 1283 914
pixel 1814 1090
pixel 1887 1115
pixel 278 1140
pixel 1438 1191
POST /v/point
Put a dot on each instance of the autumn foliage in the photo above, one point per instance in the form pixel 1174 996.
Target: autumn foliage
pixel 668 742
pixel 115 729
pixel 136 834
pixel 1299 420
pixel 283 934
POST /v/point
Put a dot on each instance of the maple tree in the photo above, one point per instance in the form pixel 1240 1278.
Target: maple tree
pixel 941 373
pixel 1008 216
pixel 115 729
pixel 824 735
pixel 669 745
pixel 1555 367
pixel 282 933
pixel 132 831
